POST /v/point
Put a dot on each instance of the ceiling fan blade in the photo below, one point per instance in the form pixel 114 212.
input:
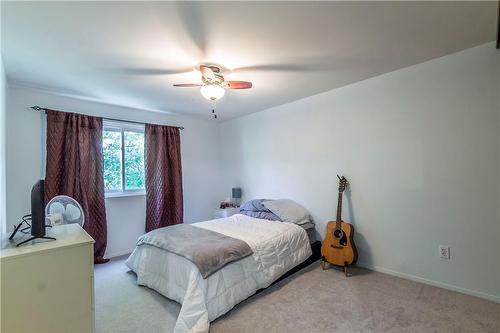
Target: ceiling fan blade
pixel 154 71
pixel 274 68
pixel 301 64
pixel 239 84
pixel 187 85
pixel 207 73
pixel 195 22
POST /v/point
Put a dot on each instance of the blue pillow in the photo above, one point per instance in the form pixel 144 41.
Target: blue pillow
pixel 255 208
pixel 261 215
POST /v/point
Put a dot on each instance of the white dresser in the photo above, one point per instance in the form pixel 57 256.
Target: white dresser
pixel 48 286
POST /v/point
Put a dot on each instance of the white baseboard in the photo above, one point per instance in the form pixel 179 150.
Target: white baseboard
pixel 415 278
pixel 118 253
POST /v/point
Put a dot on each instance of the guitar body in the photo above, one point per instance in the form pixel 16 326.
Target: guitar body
pixel 339 251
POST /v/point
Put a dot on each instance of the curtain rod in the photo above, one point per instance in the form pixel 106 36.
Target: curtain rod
pixel 38 108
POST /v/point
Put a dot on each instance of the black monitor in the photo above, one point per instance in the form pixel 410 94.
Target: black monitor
pixel 37 215
pixel 37 209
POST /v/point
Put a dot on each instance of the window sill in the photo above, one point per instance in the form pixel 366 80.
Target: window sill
pixel 124 194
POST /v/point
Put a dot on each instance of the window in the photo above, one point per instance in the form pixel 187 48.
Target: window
pixel 123 151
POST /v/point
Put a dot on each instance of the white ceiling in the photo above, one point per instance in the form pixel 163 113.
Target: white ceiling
pixel 130 53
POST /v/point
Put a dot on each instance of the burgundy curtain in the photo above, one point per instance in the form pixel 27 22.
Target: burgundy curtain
pixel 75 168
pixel 163 176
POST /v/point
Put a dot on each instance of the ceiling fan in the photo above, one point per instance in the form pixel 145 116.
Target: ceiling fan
pixel 213 86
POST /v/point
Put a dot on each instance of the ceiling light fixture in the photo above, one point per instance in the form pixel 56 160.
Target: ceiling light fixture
pixel 212 92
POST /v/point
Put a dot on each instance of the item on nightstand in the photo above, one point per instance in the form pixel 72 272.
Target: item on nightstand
pixel 338 247
pixel 236 193
pixel 226 203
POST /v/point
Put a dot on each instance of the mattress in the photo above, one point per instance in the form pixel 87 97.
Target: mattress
pixel 277 247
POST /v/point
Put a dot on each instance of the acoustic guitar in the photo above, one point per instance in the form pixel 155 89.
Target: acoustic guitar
pixel 338 247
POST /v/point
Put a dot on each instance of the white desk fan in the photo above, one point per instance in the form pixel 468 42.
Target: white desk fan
pixel 62 209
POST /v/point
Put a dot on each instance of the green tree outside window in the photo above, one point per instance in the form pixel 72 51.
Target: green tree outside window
pixel 123 152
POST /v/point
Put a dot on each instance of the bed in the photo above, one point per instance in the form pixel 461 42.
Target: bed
pixel 277 248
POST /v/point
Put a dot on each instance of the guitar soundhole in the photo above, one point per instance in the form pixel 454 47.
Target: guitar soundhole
pixel 340 235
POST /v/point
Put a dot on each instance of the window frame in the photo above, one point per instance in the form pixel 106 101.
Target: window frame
pixel 122 127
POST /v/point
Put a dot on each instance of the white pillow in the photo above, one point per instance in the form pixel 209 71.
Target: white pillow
pixel 288 211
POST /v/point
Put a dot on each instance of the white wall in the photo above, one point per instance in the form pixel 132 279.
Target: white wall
pixel 126 215
pixel 420 146
pixel 3 216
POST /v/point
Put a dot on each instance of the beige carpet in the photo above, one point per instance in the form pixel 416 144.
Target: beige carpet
pixel 309 301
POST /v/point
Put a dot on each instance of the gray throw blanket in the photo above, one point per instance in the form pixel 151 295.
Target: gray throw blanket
pixel 208 250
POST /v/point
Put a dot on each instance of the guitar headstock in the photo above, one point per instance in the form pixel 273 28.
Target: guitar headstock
pixel 343 183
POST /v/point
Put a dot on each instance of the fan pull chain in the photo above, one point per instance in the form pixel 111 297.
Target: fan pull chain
pixel 213 110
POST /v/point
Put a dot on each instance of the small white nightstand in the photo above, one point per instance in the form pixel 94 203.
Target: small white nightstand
pixel 226 212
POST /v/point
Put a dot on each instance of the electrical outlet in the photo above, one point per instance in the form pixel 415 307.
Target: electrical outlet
pixel 444 252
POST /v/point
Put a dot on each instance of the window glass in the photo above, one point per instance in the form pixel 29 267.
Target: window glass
pixel 134 160
pixel 123 150
pixel 112 153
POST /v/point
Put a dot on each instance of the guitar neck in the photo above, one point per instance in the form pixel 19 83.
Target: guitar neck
pixel 339 211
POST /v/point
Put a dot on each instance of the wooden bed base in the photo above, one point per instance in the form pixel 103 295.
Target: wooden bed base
pixel 315 256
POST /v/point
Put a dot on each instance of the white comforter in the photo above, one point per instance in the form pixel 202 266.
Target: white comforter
pixel 277 248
